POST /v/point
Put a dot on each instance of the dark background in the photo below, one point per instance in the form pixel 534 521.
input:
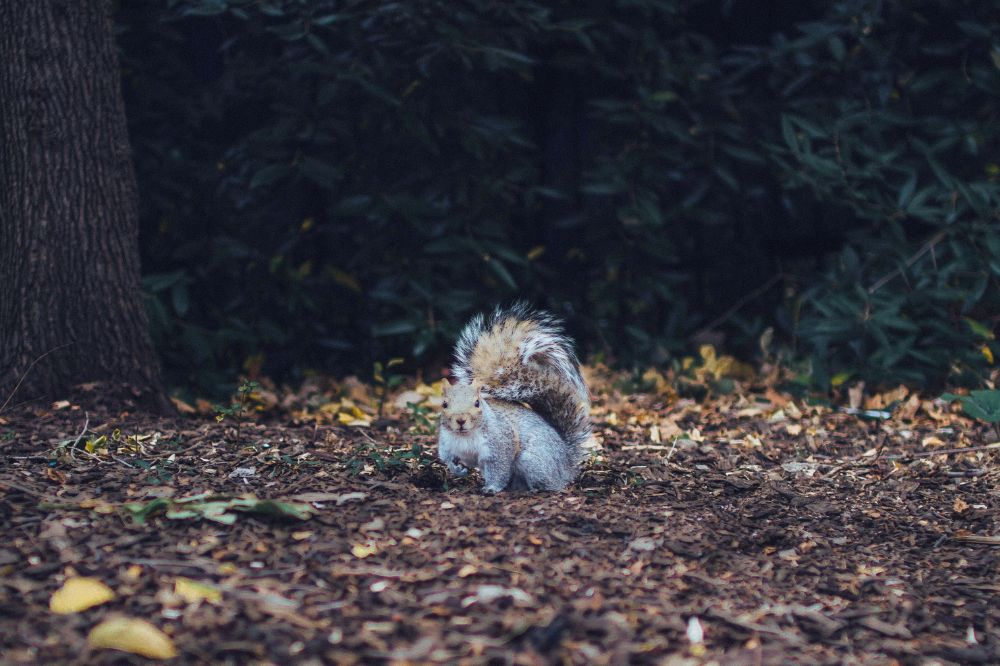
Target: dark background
pixel 329 184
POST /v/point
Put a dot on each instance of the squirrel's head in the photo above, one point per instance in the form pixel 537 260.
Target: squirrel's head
pixel 461 411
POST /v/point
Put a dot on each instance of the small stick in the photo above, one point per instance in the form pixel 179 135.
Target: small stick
pixel 20 488
pixel 83 432
pixel 673 447
pixel 739 305
pixel 941 452
pixel 929 245
pixel 30 366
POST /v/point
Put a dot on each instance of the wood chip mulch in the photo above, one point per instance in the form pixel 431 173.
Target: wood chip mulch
pixel 847 543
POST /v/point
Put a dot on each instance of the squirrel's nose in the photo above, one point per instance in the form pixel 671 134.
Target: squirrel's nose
pixel 460 421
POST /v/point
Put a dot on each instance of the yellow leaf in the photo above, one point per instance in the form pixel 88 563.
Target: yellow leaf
pixel 362 552
pixel 723 366
pixel 78 594
pixel 535 252
pixel 133 635
pixel 345 280
pixel 192 591
pixel 307 224
pixel 435 389
pixel 94 444
pixel 988 353
pixel 840 378
pixel 653 377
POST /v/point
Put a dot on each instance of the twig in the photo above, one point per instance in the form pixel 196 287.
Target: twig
pixel 934 240
pixel 976 538
pixel 20 488
pixel 122 462
pixel 738 305
pixel 673 447
pixel 88 453
pixel 940 452
pixel 919 454
pixel 82 432
pixel 25 374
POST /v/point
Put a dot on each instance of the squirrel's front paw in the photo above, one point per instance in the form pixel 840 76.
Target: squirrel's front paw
pixel 491 490
pixel 457 469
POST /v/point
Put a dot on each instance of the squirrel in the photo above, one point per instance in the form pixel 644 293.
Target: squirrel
pixel 519 410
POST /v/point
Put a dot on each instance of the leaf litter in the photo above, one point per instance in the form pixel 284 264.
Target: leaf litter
pixel 741 525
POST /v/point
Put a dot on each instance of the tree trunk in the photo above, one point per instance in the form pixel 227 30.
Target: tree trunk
pixel 71 309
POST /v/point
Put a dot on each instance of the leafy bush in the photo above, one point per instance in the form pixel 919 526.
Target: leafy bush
pixel 328 183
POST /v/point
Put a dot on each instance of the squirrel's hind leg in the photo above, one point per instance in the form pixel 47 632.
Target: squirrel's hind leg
pixel 496 471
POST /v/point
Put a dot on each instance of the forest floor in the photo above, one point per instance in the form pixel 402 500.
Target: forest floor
pixel 744 529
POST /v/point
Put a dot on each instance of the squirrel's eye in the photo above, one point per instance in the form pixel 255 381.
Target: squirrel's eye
pixel 445 405
pixel 477 403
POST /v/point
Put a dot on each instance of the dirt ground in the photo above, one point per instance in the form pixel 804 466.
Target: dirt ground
pixel 767 532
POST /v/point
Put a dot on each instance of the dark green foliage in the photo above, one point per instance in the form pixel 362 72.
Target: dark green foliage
pixel 328 183
pixel 982 405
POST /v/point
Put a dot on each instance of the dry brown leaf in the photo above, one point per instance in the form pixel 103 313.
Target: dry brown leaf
pixel 855 395
pixel 182 407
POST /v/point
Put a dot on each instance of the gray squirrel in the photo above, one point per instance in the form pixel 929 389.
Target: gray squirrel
pixel 519 410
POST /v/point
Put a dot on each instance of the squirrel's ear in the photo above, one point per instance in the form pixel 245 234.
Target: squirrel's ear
pixel 452 380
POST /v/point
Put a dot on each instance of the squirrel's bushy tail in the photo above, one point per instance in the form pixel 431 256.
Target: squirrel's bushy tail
pixel 522 355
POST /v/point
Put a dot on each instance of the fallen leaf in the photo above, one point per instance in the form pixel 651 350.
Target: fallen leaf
pixel 488 593
pixel 78 594
pixel 361 551
pixel 407 397
pixel 130 634
pixel 339 498
pixel 182 407
pixel 192 591
pixel 695 634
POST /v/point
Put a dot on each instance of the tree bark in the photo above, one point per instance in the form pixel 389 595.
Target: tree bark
pixel 71 308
